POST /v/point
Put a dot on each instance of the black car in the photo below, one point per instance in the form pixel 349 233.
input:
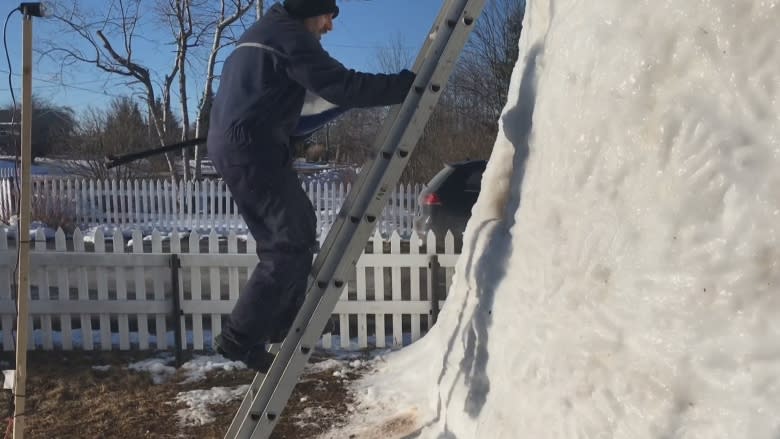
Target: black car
pixel 446 202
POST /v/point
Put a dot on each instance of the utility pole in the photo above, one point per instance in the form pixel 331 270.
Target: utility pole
pixel 29 10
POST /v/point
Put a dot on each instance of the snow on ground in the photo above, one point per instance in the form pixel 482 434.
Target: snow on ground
pixel 157 368
pixel 197 368
pixel 192 371
pixel 620 271
pixel 199 403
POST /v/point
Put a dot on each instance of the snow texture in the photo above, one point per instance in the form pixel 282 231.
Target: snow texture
pixel 197 368
pixel 156 367
pixel 199 402
pixel 621 268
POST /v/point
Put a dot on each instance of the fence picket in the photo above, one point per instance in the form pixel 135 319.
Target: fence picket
pixel 449 248
pixel 142 320
pixel 101 278
pixel 5 212
pixel 395 274
pixel 136 216
pixel 179 320
pixel 362 318
pixel 158 285
pixel 147 202
pixel 42 284
pixel 215 286
pixel 213 212
pixel 114 201
pixel 159 206
pixel 123 202
pixel 63 291
pixel 379 292
pixel 123 322
pixel 414 285
pixel 91 208
pixel 232 271
pixel 83 294
pixel 197 294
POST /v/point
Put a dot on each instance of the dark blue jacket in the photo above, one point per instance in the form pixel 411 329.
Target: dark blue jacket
pixel 263 84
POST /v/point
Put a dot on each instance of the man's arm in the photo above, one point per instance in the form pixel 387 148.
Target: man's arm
pixel 312 67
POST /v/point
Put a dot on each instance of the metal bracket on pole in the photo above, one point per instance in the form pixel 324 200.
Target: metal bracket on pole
pixel 268 395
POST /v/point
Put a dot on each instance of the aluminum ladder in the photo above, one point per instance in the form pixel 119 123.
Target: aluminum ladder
pixel 268 394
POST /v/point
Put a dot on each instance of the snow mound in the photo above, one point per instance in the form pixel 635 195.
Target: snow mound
pixel 621 268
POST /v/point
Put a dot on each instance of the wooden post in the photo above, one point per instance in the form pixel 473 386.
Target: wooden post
pixel 23 232
pixel 175 264
pixel 434 274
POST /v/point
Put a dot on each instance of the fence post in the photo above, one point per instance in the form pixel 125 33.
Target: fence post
pixel 175 265
pixel 434 274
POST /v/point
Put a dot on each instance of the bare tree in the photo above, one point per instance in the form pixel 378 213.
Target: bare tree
pixel 464 124
pixel 395 56
pixel 110 46
pixel 120 128
pixel 230 11
pixel 486 66
pixel 177 14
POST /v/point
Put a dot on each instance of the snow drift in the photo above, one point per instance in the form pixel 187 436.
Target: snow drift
pixel 621 273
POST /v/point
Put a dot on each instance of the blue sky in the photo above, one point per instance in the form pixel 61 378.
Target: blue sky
pixel 362 28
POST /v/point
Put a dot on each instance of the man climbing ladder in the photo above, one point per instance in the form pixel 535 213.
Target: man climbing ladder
pixel 268 394
pixel 256 111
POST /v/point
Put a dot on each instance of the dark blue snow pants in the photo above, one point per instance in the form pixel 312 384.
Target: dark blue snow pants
pixel 281 219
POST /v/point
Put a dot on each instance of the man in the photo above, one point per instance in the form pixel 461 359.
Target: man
pixel 256 111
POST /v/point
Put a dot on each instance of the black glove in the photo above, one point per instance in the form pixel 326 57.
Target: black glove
pixel 408 77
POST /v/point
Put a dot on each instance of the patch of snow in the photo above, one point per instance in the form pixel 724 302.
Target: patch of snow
pixel 199 403
pixel 157 367
pixel 322 366
pixel 197 368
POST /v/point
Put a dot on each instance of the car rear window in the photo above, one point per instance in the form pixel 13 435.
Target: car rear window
pixel 438 180
pixel 474 180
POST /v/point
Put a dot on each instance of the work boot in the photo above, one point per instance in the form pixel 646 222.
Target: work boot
pixel 256 358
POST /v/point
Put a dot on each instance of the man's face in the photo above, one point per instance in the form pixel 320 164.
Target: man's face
pixel 319 25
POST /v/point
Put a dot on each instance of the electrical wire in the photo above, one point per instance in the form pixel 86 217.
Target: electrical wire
pixel 8 57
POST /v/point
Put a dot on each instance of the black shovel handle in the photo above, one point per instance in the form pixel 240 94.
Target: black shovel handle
pixel 113 161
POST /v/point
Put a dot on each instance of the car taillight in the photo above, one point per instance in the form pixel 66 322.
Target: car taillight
pixel 431 199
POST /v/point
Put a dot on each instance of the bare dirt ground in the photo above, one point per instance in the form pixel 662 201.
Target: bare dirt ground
pixel 67 398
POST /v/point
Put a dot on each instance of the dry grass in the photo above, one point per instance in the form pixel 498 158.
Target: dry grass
pixel 67 398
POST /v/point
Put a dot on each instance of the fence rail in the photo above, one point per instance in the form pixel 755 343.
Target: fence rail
pixel 123 297
pixel 168 205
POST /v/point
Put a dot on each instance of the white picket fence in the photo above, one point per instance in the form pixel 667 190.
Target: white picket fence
pixel 167 205
pixel 131 298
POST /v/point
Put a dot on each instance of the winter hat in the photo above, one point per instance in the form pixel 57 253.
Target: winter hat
pixel 311 8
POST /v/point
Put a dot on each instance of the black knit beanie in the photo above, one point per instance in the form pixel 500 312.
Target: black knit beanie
pixel 311 8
